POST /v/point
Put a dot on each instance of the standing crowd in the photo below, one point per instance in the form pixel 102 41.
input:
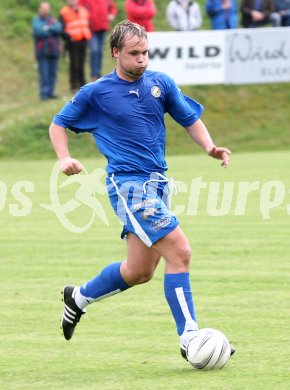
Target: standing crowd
pixel 84 23
pixel 186 15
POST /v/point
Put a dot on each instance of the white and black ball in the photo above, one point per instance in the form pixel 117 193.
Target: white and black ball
pixel 208 349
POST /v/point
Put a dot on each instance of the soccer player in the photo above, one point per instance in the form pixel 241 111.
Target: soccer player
pixel 124 111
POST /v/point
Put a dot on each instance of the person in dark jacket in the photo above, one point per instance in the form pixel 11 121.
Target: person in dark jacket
pixel 256 13
pixel 46 34
pixel 283 9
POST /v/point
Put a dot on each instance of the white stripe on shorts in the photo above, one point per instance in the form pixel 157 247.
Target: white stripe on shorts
pixel 138 229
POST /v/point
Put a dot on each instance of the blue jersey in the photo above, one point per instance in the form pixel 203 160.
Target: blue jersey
pixel 127 119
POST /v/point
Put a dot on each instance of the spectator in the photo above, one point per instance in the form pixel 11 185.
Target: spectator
pixel 75 21
pixel 46 33
pixel 183 15
pixel 256 13
pixel 223 14
pixel 101 12
pixel 141 12
pixel 283 9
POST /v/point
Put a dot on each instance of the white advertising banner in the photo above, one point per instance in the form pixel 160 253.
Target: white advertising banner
pixel 258 56
pixel 193 57
pixel 240 56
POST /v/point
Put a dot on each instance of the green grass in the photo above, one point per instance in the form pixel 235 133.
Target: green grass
pixel 240 264
pixel 239 273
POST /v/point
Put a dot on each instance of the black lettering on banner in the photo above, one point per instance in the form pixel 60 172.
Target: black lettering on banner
pixel 161 53
pixel 212 51
pixel 243 48
pixel 191 53
pixel 180 52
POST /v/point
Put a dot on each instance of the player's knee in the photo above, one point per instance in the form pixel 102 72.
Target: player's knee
pixel 144 277
pixel 141 277
pixel 180 259
pixel 185 255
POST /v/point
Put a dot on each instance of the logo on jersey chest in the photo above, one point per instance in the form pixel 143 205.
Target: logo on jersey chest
pixel 155 91
pixel 136 92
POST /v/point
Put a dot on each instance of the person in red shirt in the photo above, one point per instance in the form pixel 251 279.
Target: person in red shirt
pixel 141 12
pixel 102 13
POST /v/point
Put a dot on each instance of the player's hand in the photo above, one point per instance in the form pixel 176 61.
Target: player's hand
pixel 221 154
pixel 70 166
pixel 257 16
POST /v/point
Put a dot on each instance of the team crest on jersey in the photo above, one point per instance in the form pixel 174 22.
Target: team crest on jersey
pixel 155 91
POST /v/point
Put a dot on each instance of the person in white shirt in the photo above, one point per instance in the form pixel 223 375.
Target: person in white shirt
pixel 184 15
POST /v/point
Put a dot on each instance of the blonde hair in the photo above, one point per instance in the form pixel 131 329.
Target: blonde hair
pixel 123 31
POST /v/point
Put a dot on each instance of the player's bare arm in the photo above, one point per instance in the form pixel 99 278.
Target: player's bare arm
pixel 58 136
pixel 201 136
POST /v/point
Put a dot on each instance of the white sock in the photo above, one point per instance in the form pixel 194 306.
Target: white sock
pixel 81 301
pixel 186 336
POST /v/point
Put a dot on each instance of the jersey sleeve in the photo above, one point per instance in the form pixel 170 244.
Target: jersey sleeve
pixel 77 115
pixel 183 109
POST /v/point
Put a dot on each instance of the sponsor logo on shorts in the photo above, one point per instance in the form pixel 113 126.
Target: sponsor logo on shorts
pixel 145 202
pixel 148 212
pixel 161 223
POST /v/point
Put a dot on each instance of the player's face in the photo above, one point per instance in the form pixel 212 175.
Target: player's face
pixel 132 59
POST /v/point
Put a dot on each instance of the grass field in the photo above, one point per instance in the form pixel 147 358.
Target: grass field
pixel 239 273
pixel 240 263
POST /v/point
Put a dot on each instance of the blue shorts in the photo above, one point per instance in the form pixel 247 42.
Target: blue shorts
pixel 142 204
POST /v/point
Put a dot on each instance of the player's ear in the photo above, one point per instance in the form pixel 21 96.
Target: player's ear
pixel 115 52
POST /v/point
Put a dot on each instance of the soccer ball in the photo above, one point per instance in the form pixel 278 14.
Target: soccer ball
pixel 208 349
